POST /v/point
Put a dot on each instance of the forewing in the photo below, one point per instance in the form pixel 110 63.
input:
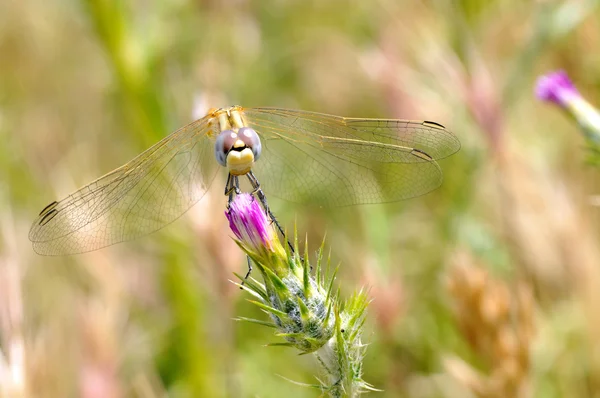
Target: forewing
pixel 140 197
pixel 336 161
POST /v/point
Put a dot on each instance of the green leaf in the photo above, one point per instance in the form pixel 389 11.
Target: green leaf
pixel 256 321
pixel 304 311
pixel 269 309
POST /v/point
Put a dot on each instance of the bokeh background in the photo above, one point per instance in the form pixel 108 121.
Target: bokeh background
pixel 487 287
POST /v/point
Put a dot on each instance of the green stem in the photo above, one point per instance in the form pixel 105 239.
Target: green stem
pixel 132 65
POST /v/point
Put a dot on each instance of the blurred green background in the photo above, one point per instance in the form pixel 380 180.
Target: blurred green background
pixel 487 287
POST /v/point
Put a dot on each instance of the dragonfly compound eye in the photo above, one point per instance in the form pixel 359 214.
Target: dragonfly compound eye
pixel 224 143
pixel 249 137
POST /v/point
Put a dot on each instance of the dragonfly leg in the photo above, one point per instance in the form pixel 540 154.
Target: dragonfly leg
pixel 249 270
pixel 227 184
pixel 232 187
pixel 263 199
pixel 228 189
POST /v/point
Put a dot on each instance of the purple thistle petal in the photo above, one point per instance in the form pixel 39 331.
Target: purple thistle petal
pixel 556 87
pixel 249 222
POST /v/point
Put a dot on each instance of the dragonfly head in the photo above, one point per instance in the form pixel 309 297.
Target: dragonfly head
pixel 238 151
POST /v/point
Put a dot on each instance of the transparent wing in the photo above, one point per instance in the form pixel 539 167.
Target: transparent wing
pixel 140 197
pixel 336 161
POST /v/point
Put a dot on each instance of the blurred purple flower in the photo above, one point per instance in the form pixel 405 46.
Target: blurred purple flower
pixel 556 87
pixel 249 223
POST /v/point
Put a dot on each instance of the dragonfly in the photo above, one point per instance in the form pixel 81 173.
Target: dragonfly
pixel 295 155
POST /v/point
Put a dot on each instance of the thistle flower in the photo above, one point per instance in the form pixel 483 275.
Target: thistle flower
pixel 250 225
pixel 556 87
pixel 304 309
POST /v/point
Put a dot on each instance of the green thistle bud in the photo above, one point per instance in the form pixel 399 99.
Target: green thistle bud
pixel 300 306
pixel 304 309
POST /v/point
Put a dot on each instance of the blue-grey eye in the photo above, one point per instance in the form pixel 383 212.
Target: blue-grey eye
pixel 223 145
pixel 249 137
